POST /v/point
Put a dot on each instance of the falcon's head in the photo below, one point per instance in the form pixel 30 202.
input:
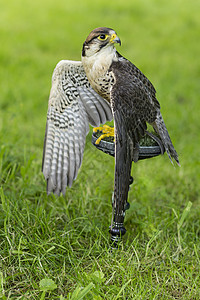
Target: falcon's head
pixel 99 39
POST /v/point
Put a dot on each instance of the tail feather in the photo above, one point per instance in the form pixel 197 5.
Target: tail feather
pixel 161 129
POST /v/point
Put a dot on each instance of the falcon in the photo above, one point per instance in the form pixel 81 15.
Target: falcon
pixel 102 86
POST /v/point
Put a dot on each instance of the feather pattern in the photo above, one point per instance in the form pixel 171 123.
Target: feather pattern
pixel 133 103
pixel 136 101
pixel 73 104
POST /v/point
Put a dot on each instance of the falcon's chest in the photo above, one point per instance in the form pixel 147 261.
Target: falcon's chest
pixel 98 74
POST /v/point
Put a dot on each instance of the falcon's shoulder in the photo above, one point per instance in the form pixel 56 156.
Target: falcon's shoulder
pixel 124 70
pixel 73 104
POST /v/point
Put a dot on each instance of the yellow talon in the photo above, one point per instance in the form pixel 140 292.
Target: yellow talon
pixel 106 130
pixel 95 129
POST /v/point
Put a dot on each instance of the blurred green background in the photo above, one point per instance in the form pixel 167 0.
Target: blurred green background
pixel 162 39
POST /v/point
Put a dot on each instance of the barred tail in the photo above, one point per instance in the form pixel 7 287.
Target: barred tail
pixel 161 129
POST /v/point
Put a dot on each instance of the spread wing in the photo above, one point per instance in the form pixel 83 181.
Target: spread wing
pixel 73 104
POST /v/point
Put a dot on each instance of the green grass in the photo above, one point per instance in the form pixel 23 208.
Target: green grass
pixel 58 247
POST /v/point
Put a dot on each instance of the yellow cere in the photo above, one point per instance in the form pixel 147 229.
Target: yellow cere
pixel 106 130
pixel 113 37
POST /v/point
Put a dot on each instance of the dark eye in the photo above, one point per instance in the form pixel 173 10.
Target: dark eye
pixel 102 37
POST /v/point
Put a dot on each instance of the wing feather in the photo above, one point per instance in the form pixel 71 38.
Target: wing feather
pixel 90 108
pixel 60 163
pixel 73 104
pixel 72 162
pixel 98 109
pixel 65 165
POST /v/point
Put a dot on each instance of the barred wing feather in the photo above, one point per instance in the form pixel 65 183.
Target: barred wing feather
pixel 73 104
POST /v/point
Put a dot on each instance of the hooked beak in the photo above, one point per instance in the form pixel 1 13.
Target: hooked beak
pixel 115 39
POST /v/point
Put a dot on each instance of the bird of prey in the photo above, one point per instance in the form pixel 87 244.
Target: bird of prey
pixel 103 86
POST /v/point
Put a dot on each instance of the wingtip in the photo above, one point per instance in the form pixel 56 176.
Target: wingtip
pixel 173 158
pixel 58 192
pixel 178 163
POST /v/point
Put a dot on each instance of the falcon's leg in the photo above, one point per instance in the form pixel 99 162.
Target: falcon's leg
pixel 117 228
pixel 106 130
